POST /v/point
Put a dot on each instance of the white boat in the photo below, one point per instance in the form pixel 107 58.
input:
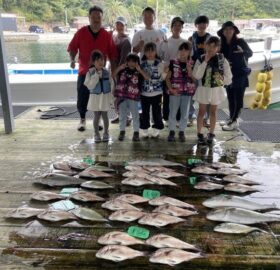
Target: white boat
pixel 55 84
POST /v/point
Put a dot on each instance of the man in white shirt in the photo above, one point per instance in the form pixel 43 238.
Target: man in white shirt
pixel 149 34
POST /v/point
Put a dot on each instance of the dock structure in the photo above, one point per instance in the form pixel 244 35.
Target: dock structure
pixel 36 143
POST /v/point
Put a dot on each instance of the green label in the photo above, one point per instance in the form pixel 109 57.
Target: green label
pixel 88 160
pixel 138 232
pixel 64 205
pixel 125 163
pixel 192 180
pixel 151 194
pixel 192 161
pixel 68 191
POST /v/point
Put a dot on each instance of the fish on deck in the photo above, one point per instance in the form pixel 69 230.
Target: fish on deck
pixel 119 238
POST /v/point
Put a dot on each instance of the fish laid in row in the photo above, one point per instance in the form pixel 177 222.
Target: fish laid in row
pixel 175 211
pixel 126 215
pixel 116 204
pixel 159 219
pixel 168 200
pixel 119 238
pixel 132 198
pixel 233 178
pixel 206 185
pixel 240 188
pixel 235 228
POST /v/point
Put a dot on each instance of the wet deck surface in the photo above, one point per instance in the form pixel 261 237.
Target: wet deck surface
pixel 31 243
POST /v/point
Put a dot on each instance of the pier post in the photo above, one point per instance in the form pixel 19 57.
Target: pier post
pixel 5 91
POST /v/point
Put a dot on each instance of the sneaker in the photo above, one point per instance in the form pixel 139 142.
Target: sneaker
pixel 210 138
pixel 136 137
pixel 155 133
pixel 190 123
pixel 145 133
pixel 97 138
pixel 128 122
pixel 115 120
pixel 226 122
pixel 200 138
pixel 171 136
pixel 105 137
pixel 231 126
pixel 206 123
pixel 121 135
pixel 182 137
pixel 82 125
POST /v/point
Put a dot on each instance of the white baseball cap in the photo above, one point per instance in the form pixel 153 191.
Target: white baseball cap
pixel 121 20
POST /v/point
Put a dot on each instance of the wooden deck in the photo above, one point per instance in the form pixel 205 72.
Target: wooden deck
pixel 37 143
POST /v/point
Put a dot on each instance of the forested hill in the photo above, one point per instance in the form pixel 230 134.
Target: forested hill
pixel 57 10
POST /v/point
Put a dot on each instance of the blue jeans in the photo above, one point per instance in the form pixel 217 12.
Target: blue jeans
pixel 176 102
pixel 125 107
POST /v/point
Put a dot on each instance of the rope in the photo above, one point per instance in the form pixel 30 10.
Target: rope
pixel 46 114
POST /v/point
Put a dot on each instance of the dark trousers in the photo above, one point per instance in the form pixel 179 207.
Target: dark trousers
pixel 146 103
pixel 165 105
pixel 83 96
pixel 235 97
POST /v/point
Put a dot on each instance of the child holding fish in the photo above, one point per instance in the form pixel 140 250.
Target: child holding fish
pixel 213 72
pixel 129 77
pixel 100 84
pixel 181 87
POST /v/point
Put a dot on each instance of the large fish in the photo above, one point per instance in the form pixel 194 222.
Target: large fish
pixel 118 253
pixel 159 219
pixel 240 188
pixel 137 182
pixel 132 198
pixel 102 168
pixel 160 181
pixel 173 256
pixel 115 205
pixel 61 165
pixel 59 180
pixel 88 214
pixel 206 185
pixel 24 212
pixel 126 215
pixel 56 215
pixel 85 196
pixel 45 196
pixel 134 168
pixel 235 201
pixel 166 241
pixel 168 200
pixel 93 173
pixel 154 162
pixel 174 211
pixel 157 169
pixel 229 171
pixel 220 165
pixel 235 228
pixel 118 238
pixel 79 166
pixel 96 185
pixel 239 215
pixel 233 178
pixel 167 174
pixel 134 174
pixel 204 170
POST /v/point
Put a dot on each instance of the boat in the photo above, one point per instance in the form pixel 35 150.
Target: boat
pixel 55 84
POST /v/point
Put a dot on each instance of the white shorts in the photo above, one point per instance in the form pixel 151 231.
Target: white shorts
pixel 213 96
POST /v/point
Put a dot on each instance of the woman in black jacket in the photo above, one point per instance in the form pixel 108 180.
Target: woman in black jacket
pixel 237 52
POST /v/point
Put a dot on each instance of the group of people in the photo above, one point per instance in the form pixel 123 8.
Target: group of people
pixel 164 75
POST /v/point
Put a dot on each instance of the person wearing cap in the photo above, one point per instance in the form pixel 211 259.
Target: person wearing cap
pixel 169 51
pixel 237 52
pixel 123 44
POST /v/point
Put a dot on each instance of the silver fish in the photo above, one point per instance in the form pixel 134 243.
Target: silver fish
pixel 118 238
pixel 229 171
pixel 157 169
pixel 175 211
pixel 63 166
pixel 96 185
pixel 102 168
pixel 166 241
pixel 204 170
pixel 132 198
pixel 235 228
pixel 46 196
pixel 70 172
pixel 220 165
pixel 154 162
pixel 88 214
pixel 115 205
pixel 24 212
pixel 233 178
pixel 117 253
pixel 93 173
pixel 85 196
pixel 137 182
pixel 206 185
pixel 159 219
pixel 235 201
pixel 160 181
pixel 126 215
pixel 79 166
pixel 173 256
pixel 56 215
pixel 134 168
pixel 167 174
pixel 59 180
pixel 168 200
pixel 242 216
pixel 240 188
pixel 134 174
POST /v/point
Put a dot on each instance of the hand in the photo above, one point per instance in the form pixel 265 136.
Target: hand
pixel 138 68
pixel 123 66
pixel 189 66
pixel 173 91
pixel 208 56
pixel 239 49
pixel 73 64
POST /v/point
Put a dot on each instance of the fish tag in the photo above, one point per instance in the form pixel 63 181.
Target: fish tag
pixel 68 191
pixel 138 232
pixel 193 161
pixel 192 180
pixel 88 160
pixel 65 205
pixel 151 194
